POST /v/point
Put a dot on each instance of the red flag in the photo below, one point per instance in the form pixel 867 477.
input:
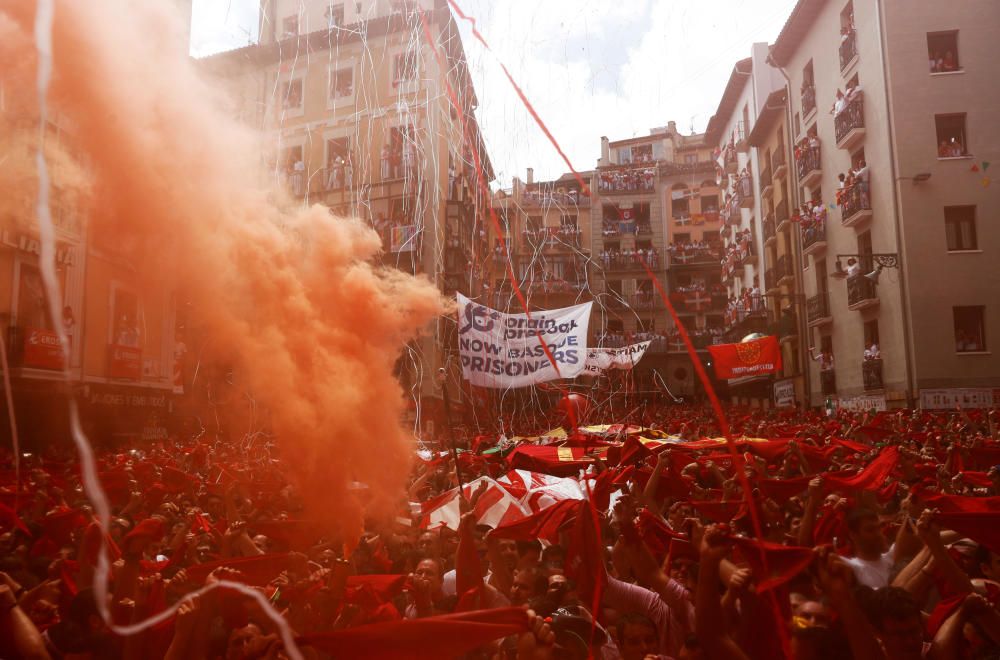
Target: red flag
pixel 10 520
pixel 784 562
pixel 542 525
pixel 585 556
pixel 468 568
pixel 873 477
pixel 758 357
pixel 200 525
pixel 983 528
pixel 557 461
pixel 661 540
pixel 447 636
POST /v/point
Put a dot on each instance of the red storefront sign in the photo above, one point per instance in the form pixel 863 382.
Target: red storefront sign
pixel 42 349
pixel 125 362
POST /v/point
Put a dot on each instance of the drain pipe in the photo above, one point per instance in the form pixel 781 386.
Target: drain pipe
pixel 911 386
pixel 804 338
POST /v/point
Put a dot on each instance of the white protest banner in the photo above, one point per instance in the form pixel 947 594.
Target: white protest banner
pixel 503 350
pixel 600 360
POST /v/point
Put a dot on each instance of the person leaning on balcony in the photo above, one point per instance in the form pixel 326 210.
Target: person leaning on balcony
pixel 838 104
pixel 825 359
pixel 853 267
pixel 861 175
pixel 872 352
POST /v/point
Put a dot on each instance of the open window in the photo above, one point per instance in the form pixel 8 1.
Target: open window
pixel 952 140
pixel 342 83
pixel 942 52
pixel 970 331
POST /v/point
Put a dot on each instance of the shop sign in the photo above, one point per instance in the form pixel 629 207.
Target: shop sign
pixel 42 349
pixel 784 393
pixel 863 403
pixel 967 397
pixel 25 243
pixel 125 362
pixel 119 398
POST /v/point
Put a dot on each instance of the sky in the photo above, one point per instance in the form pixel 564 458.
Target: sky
pixel 590 68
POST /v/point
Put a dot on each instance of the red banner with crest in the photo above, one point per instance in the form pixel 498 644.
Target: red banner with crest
pixel 757 357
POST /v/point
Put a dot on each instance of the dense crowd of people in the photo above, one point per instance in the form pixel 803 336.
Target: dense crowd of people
pixel 628 258
pixel 684 252
pixel 749 301
pixel 739 248
pixel 838 535
pixel 636 179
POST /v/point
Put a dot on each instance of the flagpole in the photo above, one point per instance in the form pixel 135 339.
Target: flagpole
pixel 443 379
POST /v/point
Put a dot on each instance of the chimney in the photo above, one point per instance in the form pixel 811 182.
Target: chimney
pixel 672 127
pixel 531 175
pixel 605 151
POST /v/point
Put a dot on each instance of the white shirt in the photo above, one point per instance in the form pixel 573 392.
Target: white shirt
pixel 872 573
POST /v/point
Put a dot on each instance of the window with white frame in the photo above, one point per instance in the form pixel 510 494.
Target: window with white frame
pixel 292 97
pixel 342 83
pixel 404 68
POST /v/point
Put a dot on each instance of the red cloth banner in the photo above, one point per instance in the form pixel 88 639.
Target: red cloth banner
pixel 758 357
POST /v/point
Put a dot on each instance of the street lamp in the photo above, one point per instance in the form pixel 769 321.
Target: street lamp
pixel 880 260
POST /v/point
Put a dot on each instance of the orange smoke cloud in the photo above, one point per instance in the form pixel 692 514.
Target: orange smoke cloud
pixel 288 294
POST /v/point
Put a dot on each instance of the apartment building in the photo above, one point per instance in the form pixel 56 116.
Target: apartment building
pixel 121 360
pixel 759 262
pixel 900 98
pixel 653 202
pixel 356 103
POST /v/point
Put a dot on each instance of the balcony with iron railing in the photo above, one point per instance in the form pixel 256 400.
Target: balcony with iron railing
pixel 770 233
pixel 871 374
pixel 808 166
pixel 749 316
pixel 730 161
pixel 618 261
pixel 828 381
pixel 639 300
pixel 553 286
pixel 849 124
pixel 740 137
pixel 683 256
pixel 848 49
pixel 818 309
pixel 783 270
pixel 813 235
pixel 618 180
pixel 781 217
pixel 861 291
pixel 743 191
pixel 778 163
pixel 553 239
pixel 766 184
pixel 808 100
pixel 558 198
pixel 731 214
pixel 855 204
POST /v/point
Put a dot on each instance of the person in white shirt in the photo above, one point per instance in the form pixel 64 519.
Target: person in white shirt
pixel 853 267
pixel 874 558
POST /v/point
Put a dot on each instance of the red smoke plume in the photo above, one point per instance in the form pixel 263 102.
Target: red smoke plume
pixel 289 295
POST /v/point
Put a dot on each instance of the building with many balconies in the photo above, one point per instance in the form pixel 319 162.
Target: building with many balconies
pixel 899 99
pixel 368 108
